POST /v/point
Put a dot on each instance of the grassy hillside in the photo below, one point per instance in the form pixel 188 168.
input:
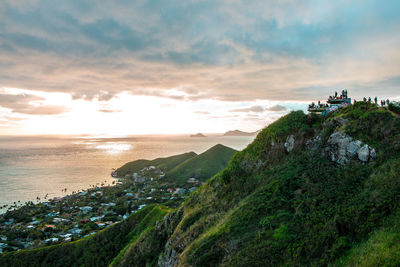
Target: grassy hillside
pixel 270 207
pixel 162 163
pixel 202 166
pixel 96 250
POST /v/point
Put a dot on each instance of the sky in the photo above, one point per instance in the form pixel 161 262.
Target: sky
pixel 122 67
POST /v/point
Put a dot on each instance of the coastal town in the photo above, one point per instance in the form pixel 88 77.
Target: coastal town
pixel 78 215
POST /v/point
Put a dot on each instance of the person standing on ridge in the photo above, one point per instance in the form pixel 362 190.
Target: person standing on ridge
pixel 376 100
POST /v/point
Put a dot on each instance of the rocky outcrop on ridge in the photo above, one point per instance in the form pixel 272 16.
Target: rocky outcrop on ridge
pixel 342 148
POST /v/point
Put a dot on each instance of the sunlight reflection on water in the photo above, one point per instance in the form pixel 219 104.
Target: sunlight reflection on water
pixel 114 148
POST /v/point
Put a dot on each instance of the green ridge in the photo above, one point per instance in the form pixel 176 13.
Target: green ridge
pixel 162 163
pixel 202 166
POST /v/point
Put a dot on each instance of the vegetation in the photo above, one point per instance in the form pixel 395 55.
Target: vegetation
pixel 95 250
pixel 161 163
pixel 203 166
pixel 269 207
pixel 395 107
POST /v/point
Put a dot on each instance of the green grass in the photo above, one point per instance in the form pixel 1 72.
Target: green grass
pixel 162 163
pixel 147 224
pixel 97 250
pixel 202 166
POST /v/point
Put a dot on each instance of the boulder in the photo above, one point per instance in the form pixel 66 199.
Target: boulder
pixel 363 153
pixel 353 148
pixel 289 144
pixel 341 148
pixel 372 153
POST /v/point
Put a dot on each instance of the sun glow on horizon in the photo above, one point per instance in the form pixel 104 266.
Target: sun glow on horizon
pixel 126 114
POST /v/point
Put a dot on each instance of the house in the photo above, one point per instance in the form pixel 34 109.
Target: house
pixel 101 225
pixel 180 191
pixel 48 227
pixel 111 204
pixel 84 220
pixel 75 231
pixel 96 218
pixel 170 190
pixel 86 209
pixel 53 239
pixel 66 235
pixel 192 180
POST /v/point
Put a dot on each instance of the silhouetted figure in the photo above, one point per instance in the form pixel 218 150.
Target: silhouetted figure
pixel 387 102
pixel 376 100
pixel 369 99
pixel 365 99
pixel 335 94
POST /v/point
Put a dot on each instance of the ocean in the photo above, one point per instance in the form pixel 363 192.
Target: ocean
pixel 32 167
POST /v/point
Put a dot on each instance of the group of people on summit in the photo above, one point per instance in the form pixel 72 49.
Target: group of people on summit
pixel 383 102
pixel 343 95
pixel 340 101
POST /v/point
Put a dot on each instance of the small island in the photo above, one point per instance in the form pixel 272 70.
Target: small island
pixel 238 133
pixel 198 135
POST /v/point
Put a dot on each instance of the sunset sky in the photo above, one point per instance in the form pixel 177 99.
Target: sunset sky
pixel 153 67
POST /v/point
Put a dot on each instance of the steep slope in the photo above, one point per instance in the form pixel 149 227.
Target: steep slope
pixel 202 166
pixel 96 250
pixel 309 191
pixel 273 207
pixel 162 163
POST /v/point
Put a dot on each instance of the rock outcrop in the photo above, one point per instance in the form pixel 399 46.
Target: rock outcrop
pixel 289 144
pixel 342 148
pixel 314 144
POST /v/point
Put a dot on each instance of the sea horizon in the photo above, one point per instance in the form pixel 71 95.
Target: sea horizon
pixel 36 166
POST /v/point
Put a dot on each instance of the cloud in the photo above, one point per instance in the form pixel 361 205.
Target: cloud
pixel 276 108
pixel 110 110
pixel 224 50
pixel 29 104
pixel 256 109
